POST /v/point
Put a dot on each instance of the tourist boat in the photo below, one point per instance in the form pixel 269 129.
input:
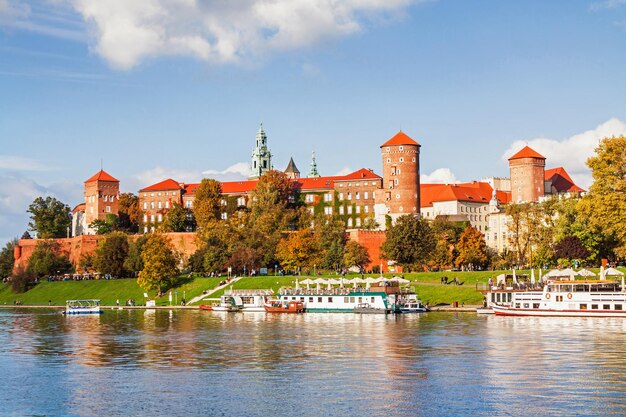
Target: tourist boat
pixel 228 304
pixel 413 307
pixel 277 306
pixel 244 300
pixel 386 296
pixel 366 308
pixel 588 298
pixel 82 307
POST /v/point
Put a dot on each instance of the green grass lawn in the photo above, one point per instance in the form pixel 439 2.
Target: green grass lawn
pixel 426 284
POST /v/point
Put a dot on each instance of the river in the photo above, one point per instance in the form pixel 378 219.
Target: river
pixel 163 362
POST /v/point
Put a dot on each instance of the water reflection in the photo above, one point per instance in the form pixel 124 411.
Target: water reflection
pixel 141 362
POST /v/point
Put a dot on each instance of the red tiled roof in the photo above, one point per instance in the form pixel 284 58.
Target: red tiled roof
pixel 102 176
pixel 527 152
pixel 361 174
pixel 400 139
pixel 479 192
pixel 79 207
pixel 561 180
pixel 168 184
pixel 238 187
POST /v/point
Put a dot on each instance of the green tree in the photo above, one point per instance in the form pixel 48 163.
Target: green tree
pixel 356 255
pixel 50 218
pixel 410 241
pixel 472 249
pixel 106 226
pixel 207 203
pixel 175 219
pixel 23 280
pixel 605 205
pixel 134 261
pixel 331 236
pixel 47 259
pixel 7 259
pixel 159 264
pixel 129 212
pixel 111 254
pixel 447 235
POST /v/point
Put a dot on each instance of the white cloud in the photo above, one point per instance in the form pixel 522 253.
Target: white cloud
pixel 49 19
pixel 607 4
pixel 439 176
pixel 158 174
pixel 344 171
pixel 19 163
pixel 17 193
pixel 127 32
pixel 572 153
pixel 236 172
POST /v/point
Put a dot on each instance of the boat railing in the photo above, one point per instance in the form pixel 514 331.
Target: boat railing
pixel 248 292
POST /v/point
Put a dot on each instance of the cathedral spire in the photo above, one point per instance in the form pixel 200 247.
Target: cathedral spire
pixel 261 155
pixel 313 172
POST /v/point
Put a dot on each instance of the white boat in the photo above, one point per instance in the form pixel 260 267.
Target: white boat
pixel 568 298
pixel 228 303
pixel 411 304
pixel 247 301
pixel 82 307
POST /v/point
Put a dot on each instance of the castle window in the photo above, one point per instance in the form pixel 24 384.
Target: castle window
pixel 340 196
pixel 160 204
pixel 328 197
pixel 401 159
pixel 357 195
pixel 107 209
pixel 167 204
pixel 224 216
pixel 366 209
pixel 152 218
pixel 145 218
pixel 365 195
pixel 241 201
pixel 341 210
pixel 358 209
pixel 398 172
pixel 413 160
pixel 349 209
pixel 401 147
pixel 152 205
pixel 358 222
pixel 350 222
pixel 105 198
pixel 145 205
pixel 112 198
pixel 309 198
pixel 387 149
pixel 160 218
pixel 398 196
pixel 349 196
pixel 388 160
pixel 328 210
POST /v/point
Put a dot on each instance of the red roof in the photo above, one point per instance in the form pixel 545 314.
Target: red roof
pixel 527 152
pixel 79 207
pixel 400 139
pixel 102 176
pixel 168 184
pixel 479 192
pixel 238 187
pixel 561 181
pixel 361 174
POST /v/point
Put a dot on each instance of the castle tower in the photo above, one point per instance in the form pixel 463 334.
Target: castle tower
pixel 400 194
pixel 292 170
pixel 313 172
pixel 527 169
pixel 261 156
pixel 101 198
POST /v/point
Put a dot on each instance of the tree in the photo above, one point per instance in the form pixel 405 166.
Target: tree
pixel 175 219
pixel 524 227
pixel 111 254
pixel 370 223
pixel 298 250
pixel 570 247
pixel 605 204
pixel 472 249
pixel 447 235
pixel 129 212
pixel 134 261
pixel 410 241
pixel 50 218
pixel 106 226
pixel 160 264
pixel 331 237
pixel 356 255
pixel 23 280
pixel 207 203
pixel 7 259
pixel 47 259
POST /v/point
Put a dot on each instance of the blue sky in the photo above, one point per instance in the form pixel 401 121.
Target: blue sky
pixel 177 88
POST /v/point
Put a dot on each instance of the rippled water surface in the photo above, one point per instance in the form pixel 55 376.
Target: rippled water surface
pixel 214 364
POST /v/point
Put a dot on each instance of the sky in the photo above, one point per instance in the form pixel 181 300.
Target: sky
pixel 157 89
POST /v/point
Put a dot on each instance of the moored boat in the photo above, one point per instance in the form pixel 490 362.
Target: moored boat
pixel 277 306
pixel 228 303
pixel 82 307
pixel 366 308
pixel 565 298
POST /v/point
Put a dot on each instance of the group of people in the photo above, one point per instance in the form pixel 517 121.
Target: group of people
pixel 455 281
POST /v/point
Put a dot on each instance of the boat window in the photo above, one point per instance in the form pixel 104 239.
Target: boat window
pixel 594 306
pixel 360 300
pixel 493 297
pixel 352 300
pixel 372 299
pixel 509 297
pixel 330 299
pixel 535 305
pixel 302 299
pixel 618 306
pixel 310 299
pixel 346 300
pixel 517 305
pixel 606 307
pixel 293 298
pixel 498 297
pixel 319 299
pixel 583 306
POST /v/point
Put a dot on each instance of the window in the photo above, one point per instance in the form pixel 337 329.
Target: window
pixel 160 218
pixel 357 195
pixel 606 307
pixel 328 210
pixel 160 204
pixel 365 195
pixel 145 205
pixel 358 222
pixel 594 306
pixel 387 149
pixel 330 299
pixel 349 221
pixel 145 218
pixel 241 201
pixel 308 198
pixel 372 299
pixel 618 306
pixel 358 209
pixel 340 196
pixel 310 299
pixel 224 216
pixel 223 202
pixel 388 160
pixel 167 204
pixel 152 218
pixel 152 229
pixel 401 159
pixel 159 194
pixel 349 196
pixel 366 209
pixel 341 210
pixel 583 306
pixel 401 147
pixel 328 197
pixel 107 209
pixel 319 299
pixel 189 204
pixel 535 305
pixel 349 209
pixel 106 198
pixel 145 229
pixel 398 196
pixel 395 181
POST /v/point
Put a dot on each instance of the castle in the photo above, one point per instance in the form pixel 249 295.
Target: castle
pixel 362 199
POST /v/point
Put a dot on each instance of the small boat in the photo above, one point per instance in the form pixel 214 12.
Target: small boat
pixel 413 307
pixel 82 307
pixel 277 306
pixel 206 307
pixel 366 308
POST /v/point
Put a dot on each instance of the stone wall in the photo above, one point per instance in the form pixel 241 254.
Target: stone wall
pixel 372 240
pixel 74 248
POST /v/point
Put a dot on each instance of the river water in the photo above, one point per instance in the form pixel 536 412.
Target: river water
pixel 129 363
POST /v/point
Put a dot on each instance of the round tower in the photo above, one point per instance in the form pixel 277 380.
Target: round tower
pixel 527 168
pixel 401 176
